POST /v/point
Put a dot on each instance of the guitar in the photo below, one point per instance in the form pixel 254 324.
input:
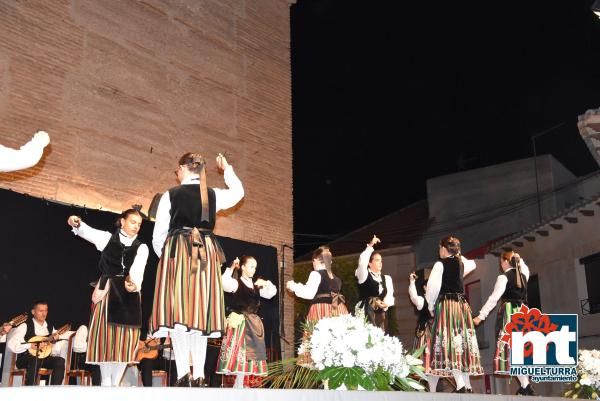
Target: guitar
pixel 46 342
pixel 149 348
pixel 15 321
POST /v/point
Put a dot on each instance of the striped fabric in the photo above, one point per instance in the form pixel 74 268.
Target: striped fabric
pixel 502 355
pixel 232 358
pixel 424 340
pixel 453 340
pixel 110 342
pixel 319 311
pixel 194 300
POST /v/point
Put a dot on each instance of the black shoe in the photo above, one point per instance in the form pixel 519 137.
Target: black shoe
pixel 460 390
pixel 199 382
pixel 185 381
pixel 470 390
pixel 528 390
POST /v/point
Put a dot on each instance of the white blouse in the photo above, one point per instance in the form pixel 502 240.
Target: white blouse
pixel 231 285
pixel 363 271
pixel 100 239
pixel 434 284
pixel 416 299
pixel 27 156
pixel 499 289
pixel 224 199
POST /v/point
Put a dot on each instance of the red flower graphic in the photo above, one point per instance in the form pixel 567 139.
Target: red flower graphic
pixel 524 321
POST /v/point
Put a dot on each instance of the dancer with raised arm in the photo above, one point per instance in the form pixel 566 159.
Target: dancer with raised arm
pixel 188 295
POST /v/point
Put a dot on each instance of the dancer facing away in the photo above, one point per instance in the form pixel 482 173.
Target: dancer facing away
pixel 376 291
pixel 243 351
pixel 423 329
pixel 454 350
pixel 27 156
pixel 511 290
pixel 116 319
pixel 188 296
pixel 323 288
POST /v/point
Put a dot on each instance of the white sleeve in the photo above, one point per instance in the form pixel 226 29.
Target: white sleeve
pixel 362 272
pixel 434 284
pixel 308 290
pixel 490 304
pixel 389 296
pixel 226 198
pixel 97 237
pixel 27 156
pixel 268 291
pixel 469 265
pixel 80 339
pixel 525 269
pixel 416 299
pixel 161 223
pixel 138 266
pixel 16 338
pixel 229 283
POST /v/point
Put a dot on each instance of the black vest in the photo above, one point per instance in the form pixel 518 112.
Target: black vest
pixel 326 287
pixel 116 258
pixel 452 277
pixel 245 299
pixel 186 207
pixel 31 329
pixel 370 288
pixel 512 292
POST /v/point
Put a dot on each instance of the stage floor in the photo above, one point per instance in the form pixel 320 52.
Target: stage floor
pixel 83 393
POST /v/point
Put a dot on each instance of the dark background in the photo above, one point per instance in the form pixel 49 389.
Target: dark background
pixel 43 260
pixel 388 94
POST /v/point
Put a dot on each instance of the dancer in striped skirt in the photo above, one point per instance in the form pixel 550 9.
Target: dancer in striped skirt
pixel 454 350
pixel 423 329
pixel 116 317
pixel 324 289
pixel 243 351
pixel 188 295
pixel 511 290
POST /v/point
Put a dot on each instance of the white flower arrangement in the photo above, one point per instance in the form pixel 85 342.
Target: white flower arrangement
pixel 351 353
pixel 588 371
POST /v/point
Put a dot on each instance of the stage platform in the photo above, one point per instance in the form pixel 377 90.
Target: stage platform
pixel 84 393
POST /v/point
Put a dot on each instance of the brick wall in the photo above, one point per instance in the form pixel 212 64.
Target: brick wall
pixel 125 87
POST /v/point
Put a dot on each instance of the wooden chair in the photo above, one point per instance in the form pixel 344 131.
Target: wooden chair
pixel 156 373
pixel 23 372
pixel 85 376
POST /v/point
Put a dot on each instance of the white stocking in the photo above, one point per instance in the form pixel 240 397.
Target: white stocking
pixel 105 372
pixel 181 348
pixel 198 345
pixel 467 380
pixel 117 373
pixel 458 378
pixel 239 381
pixel 433 381
pixel 524 380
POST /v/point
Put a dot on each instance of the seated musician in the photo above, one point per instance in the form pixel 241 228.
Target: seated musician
pixel 36 326
pixel 163 361
pixel 78 357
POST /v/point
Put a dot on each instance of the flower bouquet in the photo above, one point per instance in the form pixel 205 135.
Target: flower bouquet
pixel 588 373
pixel 350 353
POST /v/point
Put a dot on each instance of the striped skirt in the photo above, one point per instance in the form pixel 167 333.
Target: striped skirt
pixel 187 298
pixel 424 340
pixel 321 310
pixel 232 358
pixel 109 342
pixel 453 343
pixel 502 355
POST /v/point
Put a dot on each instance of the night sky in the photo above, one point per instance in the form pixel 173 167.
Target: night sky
pixel 387 94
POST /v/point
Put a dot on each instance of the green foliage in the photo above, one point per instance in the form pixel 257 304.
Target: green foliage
pixel 577 390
